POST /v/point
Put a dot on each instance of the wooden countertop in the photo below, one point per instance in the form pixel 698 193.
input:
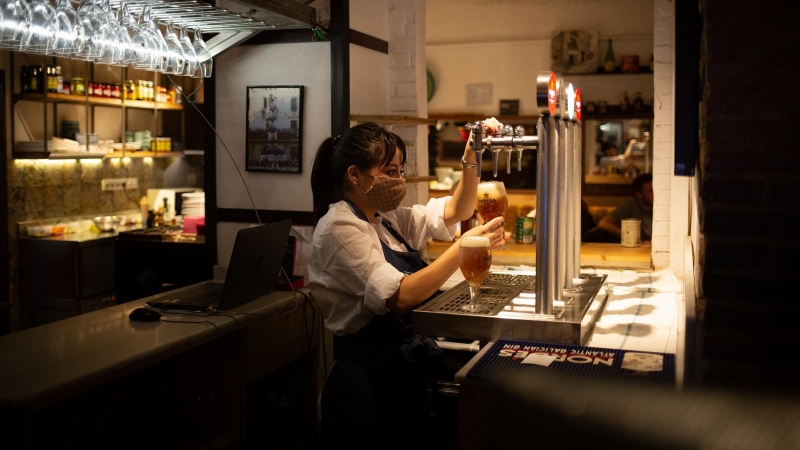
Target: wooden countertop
pixel 592 254
pixel 69 356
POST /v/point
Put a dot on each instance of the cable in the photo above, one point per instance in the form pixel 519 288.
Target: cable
pixel 179 89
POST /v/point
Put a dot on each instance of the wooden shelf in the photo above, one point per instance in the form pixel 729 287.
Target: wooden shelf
pixel 143 154
pixel 421 179
pixel 102 101
pixel 53 98
pixel 58 155
pixel 643 70
pixel 469 117
pixel 392 120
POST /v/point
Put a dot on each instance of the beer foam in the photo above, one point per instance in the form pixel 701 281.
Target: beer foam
pixel 475 241
pixel 492 188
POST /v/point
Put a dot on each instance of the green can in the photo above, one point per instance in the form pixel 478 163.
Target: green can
pixel 524 230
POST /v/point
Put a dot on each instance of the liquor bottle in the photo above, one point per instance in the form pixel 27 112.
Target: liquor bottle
pixel 638 102
pixel 610 63
pixel 623 105
pixel 59 80
pixel 24 80
pixel 33 71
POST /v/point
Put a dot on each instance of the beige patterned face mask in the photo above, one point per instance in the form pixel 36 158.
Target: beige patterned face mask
pixel 386 193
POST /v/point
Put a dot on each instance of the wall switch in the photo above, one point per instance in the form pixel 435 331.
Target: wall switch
pixel 119 184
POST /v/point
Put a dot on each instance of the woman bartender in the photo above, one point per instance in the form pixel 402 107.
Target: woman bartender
pixel 367 275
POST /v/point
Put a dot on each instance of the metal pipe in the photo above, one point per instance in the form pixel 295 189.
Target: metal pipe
pixel 560 186
pixel 569 173
pixel 577 152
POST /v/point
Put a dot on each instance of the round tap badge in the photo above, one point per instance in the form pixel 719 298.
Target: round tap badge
pixel 570 102
pixel 546 93
pixel 578 104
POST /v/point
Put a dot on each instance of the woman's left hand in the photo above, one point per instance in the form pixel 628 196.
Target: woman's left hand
pixel 493 230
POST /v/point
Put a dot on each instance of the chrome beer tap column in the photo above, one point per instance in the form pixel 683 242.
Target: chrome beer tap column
pixel 546 188
pixel 571 220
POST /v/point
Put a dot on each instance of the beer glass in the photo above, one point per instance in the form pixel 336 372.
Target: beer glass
pixel 492 201
pixel 474 260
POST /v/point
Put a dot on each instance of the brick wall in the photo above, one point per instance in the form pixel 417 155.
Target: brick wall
pixel 663 132
pixel 749 193
pixel 407 86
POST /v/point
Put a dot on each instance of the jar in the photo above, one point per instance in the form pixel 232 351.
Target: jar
pixel 107 90
pixel 171 92
pixel 90 89
pixel 66 88
pixel 130 90
pixel 115 92
pixel 162 94
pixel 139 90
pixel 78 87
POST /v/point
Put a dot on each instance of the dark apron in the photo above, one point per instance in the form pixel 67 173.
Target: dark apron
pixel 386 372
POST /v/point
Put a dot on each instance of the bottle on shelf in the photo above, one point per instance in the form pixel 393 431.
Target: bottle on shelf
pixel 35 75
pixel 623 104
pixel 638 103
pixel 52 80
pixel 610 62
pixel 59 81
pixel 24 80
pixel 652 63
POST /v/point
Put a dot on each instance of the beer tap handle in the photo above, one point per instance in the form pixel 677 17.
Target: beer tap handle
pixel 519 131
pixel 508 130
pixel 478 130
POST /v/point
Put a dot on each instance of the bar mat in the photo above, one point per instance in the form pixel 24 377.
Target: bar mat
pixel 507 357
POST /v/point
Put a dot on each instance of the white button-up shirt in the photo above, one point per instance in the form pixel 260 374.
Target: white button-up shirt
pixel 348 274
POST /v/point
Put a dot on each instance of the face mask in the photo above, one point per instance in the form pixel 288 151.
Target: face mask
pixel 386 193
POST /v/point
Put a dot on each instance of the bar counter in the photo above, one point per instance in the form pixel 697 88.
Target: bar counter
pixel 103 375
pixel 592 254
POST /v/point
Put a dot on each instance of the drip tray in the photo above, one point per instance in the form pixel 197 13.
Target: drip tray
pixel 511 297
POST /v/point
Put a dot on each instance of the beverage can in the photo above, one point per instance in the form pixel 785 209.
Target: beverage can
pixel 630 236
pixel 524 230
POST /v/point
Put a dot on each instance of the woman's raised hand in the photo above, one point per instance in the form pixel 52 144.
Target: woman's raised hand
pixel 493 230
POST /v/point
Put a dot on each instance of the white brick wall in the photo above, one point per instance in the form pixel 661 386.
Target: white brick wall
pixel 670 195
pixel 407 86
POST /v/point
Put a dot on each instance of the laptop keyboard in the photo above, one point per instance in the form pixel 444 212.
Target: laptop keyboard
pixel 203 300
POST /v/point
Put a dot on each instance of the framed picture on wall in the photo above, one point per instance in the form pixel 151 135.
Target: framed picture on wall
pixel 574 51
pixel 274 129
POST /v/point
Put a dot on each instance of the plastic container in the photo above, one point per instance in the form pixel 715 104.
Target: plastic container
pixel 39 230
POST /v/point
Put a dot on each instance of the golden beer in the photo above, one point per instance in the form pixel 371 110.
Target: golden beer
pixel 492 200
pixel 474 260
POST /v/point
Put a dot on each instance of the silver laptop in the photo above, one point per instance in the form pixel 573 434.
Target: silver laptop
pixel 253 271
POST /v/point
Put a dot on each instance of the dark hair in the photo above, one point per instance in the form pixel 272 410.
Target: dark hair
pixel 638 182
pixel 365 146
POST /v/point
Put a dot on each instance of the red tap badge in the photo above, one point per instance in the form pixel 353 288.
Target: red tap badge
pixel 578 104
pixel 552 93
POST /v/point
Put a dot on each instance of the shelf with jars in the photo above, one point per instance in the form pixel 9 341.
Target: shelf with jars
pixel 69 104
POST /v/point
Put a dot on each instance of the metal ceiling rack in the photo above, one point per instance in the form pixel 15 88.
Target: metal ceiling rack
pixel 194 14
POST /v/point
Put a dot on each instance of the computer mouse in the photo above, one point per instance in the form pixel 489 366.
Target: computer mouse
pixel 145 315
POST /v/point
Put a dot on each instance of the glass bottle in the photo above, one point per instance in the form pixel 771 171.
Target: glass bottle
pixel 59 80
pixel 623 104
pixel 610 63
pixel 33 75
pixel 638 102
pixel 24 80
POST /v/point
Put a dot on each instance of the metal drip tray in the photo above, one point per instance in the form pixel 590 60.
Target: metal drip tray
pixel 511 298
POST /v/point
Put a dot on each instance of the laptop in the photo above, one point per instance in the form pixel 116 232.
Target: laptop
pixel 252 272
